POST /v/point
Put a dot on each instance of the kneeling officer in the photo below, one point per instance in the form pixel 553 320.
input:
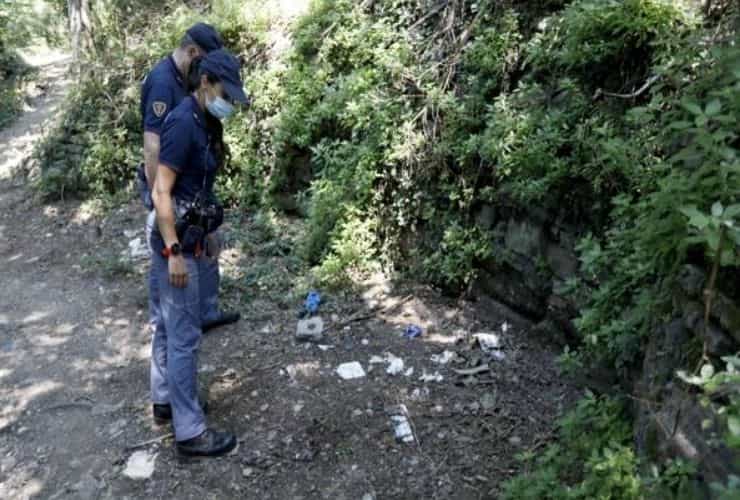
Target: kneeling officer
pixel 192 152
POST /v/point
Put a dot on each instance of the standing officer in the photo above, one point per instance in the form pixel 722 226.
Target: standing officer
pixel 192 152
pixel 163 89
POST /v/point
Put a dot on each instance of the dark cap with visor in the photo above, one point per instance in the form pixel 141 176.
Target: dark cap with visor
pixel 224 66
pixel 205 36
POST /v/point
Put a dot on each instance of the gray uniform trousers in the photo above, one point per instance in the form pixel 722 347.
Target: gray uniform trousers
pixel 175 344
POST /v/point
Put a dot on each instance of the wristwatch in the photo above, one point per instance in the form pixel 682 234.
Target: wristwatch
pixel 173 249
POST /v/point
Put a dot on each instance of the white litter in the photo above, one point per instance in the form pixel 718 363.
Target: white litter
pixel 324 347
pixel 140 465
pixel 395 365
pixel 488 341
pixel 435 377
pixel 350 370
pixel 505 327
pixel 443 358
pixel 376 360
pixel 409 372
pixel 138 249
pixel 401 425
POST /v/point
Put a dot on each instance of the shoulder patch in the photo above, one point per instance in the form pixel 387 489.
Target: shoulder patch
pixel 159 108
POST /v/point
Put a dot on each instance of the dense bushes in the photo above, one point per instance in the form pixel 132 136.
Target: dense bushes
pixel 97 147
pixel 389 124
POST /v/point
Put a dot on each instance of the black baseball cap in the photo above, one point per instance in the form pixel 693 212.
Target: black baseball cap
pixel 205 36
pixel 223 65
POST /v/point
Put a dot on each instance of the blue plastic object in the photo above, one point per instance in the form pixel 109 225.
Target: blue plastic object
pixel 312 302
pixel 412 331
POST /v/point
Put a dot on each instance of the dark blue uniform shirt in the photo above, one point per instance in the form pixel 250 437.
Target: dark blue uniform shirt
pixel 163 89
pixel 185 148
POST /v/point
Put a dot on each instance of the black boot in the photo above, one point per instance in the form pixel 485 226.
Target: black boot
pixel 209 444
pixel 224 318
pixel 163 413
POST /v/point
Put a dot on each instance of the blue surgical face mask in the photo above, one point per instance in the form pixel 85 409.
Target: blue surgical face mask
pixel 219 107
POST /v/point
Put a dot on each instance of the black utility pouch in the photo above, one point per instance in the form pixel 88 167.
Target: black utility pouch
pixel 191 239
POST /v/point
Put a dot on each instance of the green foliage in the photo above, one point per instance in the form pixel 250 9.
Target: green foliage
pixel 650 235
pixel 454 263
pixel 592 458
pixel 608 43
pixel 97 147
pixel 721 391
pixel 352 252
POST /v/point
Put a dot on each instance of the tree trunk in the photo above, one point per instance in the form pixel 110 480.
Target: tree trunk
pixel 79 27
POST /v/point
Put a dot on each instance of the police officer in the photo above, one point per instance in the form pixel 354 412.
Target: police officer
pixel 191 152
pixel 163 89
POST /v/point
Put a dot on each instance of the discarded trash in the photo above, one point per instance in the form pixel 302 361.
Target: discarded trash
pixel 409 372
pixel 488 341
pixel 443 358
pixel 488 401
pixel 350 370
pixel 412 331
pixel 140 465
pixel 435 377
pixel 395 366
pixel 311 304
pixel 505 327
pixel 401 425
pixel 473 371
pixel 420 394
pixel 325 347
pixel 306 369
pixel 310 330
pixel 137 249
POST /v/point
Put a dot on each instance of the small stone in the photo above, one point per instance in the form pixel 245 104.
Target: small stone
pixel 515 440
pixel 247 471
pixel 264 407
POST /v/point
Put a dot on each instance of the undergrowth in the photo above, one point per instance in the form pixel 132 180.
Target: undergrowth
pixel 389 126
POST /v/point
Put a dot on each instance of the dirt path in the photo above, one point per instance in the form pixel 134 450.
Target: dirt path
pixel 74 369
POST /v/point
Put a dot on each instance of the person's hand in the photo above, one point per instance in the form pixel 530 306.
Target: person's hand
pixel 213 245
pixel 178 271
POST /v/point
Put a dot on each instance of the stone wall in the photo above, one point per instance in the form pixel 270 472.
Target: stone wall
pixel 533 258
pixel 535 255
